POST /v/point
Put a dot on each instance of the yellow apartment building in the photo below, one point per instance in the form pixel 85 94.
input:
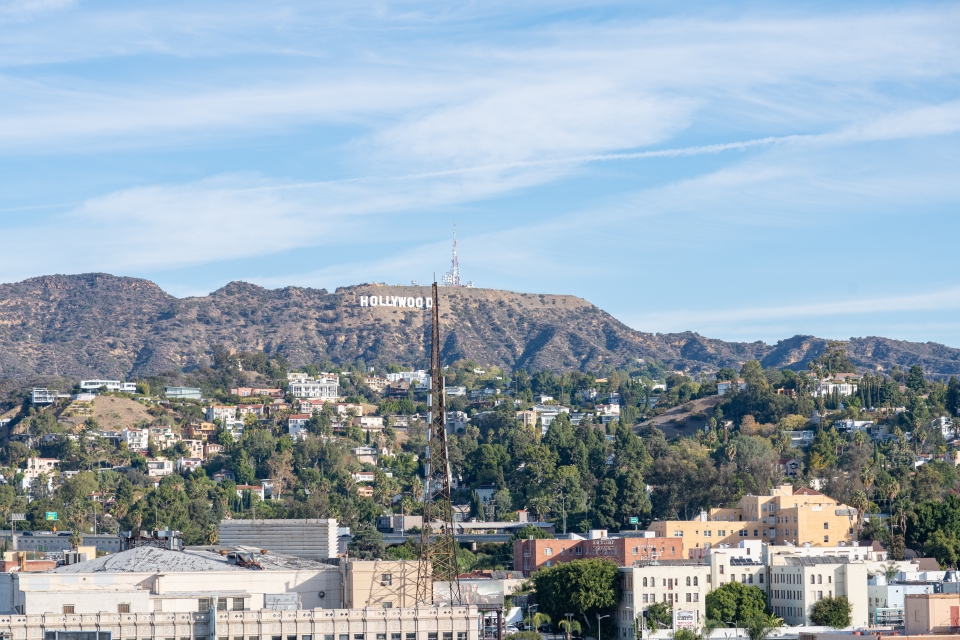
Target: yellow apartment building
pixel 786 516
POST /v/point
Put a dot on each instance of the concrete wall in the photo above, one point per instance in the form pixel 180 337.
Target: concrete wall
pixel 362 583
pixel 312 538
pixel 459 622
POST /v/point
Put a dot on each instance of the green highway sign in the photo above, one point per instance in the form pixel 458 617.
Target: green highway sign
pixel 634 520
pixel 51 515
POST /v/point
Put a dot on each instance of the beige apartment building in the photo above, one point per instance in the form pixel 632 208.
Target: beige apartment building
pixel 786 516
pixel 797 583
pixel 378 583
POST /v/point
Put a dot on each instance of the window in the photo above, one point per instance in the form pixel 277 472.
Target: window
pixel 386 579
pixel 678 534
pixel 826 538
pixel 813 579
pixel 356 636
pixel 548 551
pixel 549 563
pixel 123 607
pixel 295 638
pixel 755 533
pixel 721 569
pixel 381 636
pixel 706 534
pixel 743 533
pixel 819 595
pixel 689 597
pixel 743 578
pixel 203 605
pixel 395 636
pixel 238 605
pixel 696 597
pixel 819 579
pixel 721 532
pixel 68 608
pixel 411 635
pixel 644 598
pixel 448 635
pixel 751 578
pixel 387 605
pixel 761 578
pixel 579 551
pixel 696 580
pixel 221 604
pixel 689 581
pixel 829 579
pixel 432 635
pixel 636 550
pixel 461 635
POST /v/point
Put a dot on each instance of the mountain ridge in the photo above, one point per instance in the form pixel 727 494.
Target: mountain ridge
pixel 98 324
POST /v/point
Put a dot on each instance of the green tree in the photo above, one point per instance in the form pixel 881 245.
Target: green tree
pixel 367 544
pixel 943 546
pixel 832 612
pixel 915 380
pixel 660 615
pixel 735 602
pixel 587 587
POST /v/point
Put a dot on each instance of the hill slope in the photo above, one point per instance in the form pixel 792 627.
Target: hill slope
pixel 102 325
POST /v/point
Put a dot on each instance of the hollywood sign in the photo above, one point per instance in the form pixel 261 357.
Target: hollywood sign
pixel 396 301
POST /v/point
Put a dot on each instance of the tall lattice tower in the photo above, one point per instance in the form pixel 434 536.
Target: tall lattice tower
pixel 438 552
pixel 452 278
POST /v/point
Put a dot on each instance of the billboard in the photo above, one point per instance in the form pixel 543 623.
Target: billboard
pixel 684 620
pixel 479 591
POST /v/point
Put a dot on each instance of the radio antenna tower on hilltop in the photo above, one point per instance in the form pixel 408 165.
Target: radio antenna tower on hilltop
pixel 452 278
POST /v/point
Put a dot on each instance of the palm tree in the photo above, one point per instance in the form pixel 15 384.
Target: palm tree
pixel 760 627
pixel 537 619
pixel 570 627
pixel 861 503
pixel 890 572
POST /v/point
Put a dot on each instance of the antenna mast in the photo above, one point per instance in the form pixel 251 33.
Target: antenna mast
pixel 438 553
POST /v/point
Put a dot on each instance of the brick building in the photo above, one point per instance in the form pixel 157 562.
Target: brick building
pixel 530 555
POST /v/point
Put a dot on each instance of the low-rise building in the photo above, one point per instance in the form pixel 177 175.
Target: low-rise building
pixel 379 583
pixel 220 412
pixel 159 468
pixel 931 613
pixel 786 516
pixel 183 393
pixel 683 584
pixel 377 383
pixel 109 385
pixel 531 555
pixel 202 431
pixel 325 387
pixel 255 489
pixel 136 439
pixel 188 464
pixel 257 410
pixel 44 396
pixel 797 583
pixel 724 386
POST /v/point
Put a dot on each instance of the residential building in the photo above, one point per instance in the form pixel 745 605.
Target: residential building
pixel 109 385
pixel 420 377
pixel 363 476
pixel 221 412
pixel 801 439
pixel 682 583
pixel 297 425
pixel 163 437
pixel 298 376
pixel 456 421
pixel 724 386
pixel 856 551
pixel 182 393
pixel 188 464
pixel 531 555
pixel 398 389
pixel 786 516
pixel 223 474
pixel 259 411
pixel 44 396
pixel 369 423
pixel 368 455
pixel 136 439
pixel 202 431
pixel 212 449
pixel 797 583
pixel 36 467
pixel 249 392
pixel 527 418
pixel 255 489
pixel 886 602
pixel 831 387
pixel 196 448
pixel 455 391
pixel 847 426
pixel 325 387
pixel 377 383
pixel 159 468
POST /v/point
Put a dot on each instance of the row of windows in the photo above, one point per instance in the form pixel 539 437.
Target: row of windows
pixel 790 594
pixel 794 612
pixel 606 551
pixel 432 635
pixel 669 597
pixel 691 582
pixel 790 578
pixel 204 604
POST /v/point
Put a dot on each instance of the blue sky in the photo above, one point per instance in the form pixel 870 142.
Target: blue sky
pixel 744 171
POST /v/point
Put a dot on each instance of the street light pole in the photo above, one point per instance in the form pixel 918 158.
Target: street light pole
pixel 599 618
pixel 569 617
pixel 736 625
